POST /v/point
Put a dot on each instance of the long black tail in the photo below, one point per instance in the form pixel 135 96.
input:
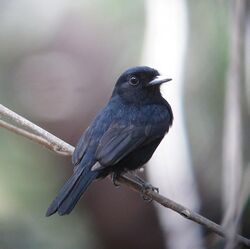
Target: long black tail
pixel 71 192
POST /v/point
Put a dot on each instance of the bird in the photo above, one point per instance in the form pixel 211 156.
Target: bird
pixel 121 138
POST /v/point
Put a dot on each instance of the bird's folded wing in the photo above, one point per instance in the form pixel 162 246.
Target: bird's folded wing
pixel 81 147
pixel 118 141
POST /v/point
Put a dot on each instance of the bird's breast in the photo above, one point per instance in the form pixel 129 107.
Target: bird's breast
pixel 139 115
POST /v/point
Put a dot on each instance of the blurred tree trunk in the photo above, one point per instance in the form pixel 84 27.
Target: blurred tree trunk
pixel 247 56
pixel 170 168
pixel 232 141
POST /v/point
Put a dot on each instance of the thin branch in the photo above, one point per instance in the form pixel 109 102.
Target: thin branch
pixel 67 148
pixel 183 211
pixel 34 132
pixel 38 139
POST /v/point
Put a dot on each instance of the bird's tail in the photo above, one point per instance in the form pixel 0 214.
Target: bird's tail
pixel 72 191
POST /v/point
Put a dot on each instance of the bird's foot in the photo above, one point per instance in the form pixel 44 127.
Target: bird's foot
pixel 145 187
pixel 140 180
pixel 114 177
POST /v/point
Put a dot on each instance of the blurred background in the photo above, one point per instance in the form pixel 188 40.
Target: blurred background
pixel 59 61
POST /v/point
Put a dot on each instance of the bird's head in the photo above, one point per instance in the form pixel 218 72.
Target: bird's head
pixel 139 83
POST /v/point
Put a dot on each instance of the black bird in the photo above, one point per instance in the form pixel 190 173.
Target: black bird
pixel 122 137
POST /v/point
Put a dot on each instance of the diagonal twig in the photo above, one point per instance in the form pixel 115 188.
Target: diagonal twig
pixel 29 130
pixel 183 211
pixel 46 138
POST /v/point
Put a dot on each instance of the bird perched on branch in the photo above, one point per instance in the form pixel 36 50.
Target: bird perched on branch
pixel 122 137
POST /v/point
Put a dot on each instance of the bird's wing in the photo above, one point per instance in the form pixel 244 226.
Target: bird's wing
pixel 118 141
pixel 81 146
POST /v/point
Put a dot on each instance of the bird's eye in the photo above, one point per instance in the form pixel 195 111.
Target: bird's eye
pixel 133 81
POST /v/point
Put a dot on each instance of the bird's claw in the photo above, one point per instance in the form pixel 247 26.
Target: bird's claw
pixel 145 187
pixel 114 177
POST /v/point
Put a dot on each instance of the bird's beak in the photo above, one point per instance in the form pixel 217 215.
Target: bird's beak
pixel 158 80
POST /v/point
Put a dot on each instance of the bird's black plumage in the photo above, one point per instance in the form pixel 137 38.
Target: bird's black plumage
pixel 123 136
